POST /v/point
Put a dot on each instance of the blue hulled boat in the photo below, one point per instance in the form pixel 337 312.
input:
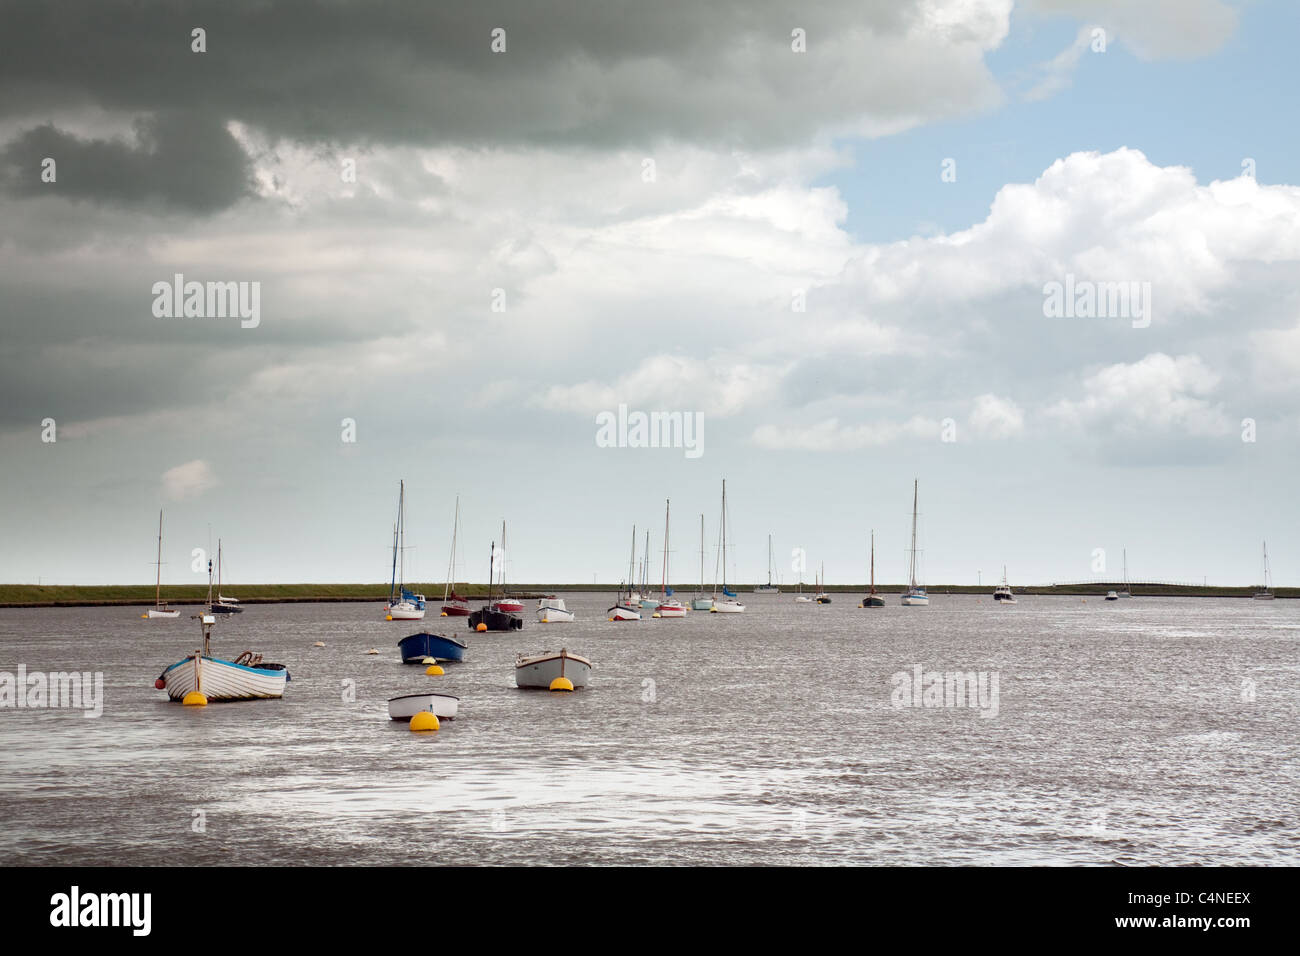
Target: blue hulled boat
pixel 417 647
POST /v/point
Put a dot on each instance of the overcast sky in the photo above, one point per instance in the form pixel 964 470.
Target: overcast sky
pixel 828 232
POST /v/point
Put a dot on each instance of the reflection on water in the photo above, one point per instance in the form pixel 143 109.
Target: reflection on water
pixel 1152 731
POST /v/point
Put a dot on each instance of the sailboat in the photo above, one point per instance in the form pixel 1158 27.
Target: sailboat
pixel 223 605
pixel 822 597
pixel 873 599
pixel 728 604
pixel 915 595
pixel 244 678
pixel 669 606
pixel 1124 591
pixel 402 604
pixel 1267 593
pixel 1002 593
pixel 628 608
pixel 507 603
pixel 800 597
pixel 160 609
pixel 769 587
pixel 490 616
pixel 453 605
pixel 702 601
pixel 647 602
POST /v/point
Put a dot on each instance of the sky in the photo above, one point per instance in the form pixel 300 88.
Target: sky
pixel 832 237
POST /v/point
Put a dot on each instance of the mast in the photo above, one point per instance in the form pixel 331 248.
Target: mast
pixel 157 591
pixel 769 559
pixel 218 569
pixel 631 566
pixel 503 558
pixel 401 530
pixel 663 585
pixel 451 562
pixel 724 536
pixel 492 555
pixel 645 566
pixel 873 562
pixel 912 566
pixel 701 591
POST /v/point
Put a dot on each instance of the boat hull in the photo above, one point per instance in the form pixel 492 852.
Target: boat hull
pixel 537 671
pixel 220 680
pixel 456 610
pixel 913 599
pixel 873 601
pixel 671 609
pixel 416 647
pixel 1264 596
pixel 702 604
pixel 404 611
pixel 554 615
pixel 620 613
pixel 163 613
pixel 510 607
pixel 226 609
pixel 442 706
pixel 727 607
pixel 494 620
pixel 767 589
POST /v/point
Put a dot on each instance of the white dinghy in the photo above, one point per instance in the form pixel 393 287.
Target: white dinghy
pixel 442 706
pixel 540 670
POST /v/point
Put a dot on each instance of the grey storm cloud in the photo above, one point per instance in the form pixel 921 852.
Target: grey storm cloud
pixel 181 160
pixel 601 74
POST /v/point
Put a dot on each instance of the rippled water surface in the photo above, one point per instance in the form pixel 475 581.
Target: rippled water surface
pixel 1150 731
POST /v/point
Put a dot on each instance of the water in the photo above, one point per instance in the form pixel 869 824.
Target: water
pixel 1125 734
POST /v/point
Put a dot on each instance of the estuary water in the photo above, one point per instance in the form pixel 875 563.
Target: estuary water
pixel 1150 731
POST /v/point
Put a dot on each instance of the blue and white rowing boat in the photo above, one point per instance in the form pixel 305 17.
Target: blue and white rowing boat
pixel 416 647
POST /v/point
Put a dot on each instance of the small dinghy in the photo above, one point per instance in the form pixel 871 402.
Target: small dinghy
pixel 552 611
pixel 539 670
pixel 442 706
pixel 416 647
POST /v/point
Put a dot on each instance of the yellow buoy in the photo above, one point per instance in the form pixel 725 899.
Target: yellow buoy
pixel 144 617
pixel 388 617
pixel 373 650
pixel 194 699
pixel 424 721
pixel 428 660
pixel 561 683
pixel 443 614
pixel 713 610
pixel 656 614
pixel 481 628
pixel 433 670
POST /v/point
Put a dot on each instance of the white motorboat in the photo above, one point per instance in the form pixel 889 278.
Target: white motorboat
pixel 1002 593
pixel 442 706
pixel 1112 596
pixel 551 610
pixel 539 670
pixel 915 595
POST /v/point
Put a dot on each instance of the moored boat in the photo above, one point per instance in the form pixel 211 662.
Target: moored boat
pixel 873 599
pixel 552 610
pixel 1112 596
pixel 915 595
pixel 769 587
pixel 453 605
pixel 223 605
pixel 667 606
pixel 701 601
pixel 1266 592
pixel 490 617
pixel 160 609
pixel 537 671
pixel 402 604
pixel 728 603
pixel 442 706
pixel 246 677
pixel 1002 593
pixel 627 607
pixel 415 648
